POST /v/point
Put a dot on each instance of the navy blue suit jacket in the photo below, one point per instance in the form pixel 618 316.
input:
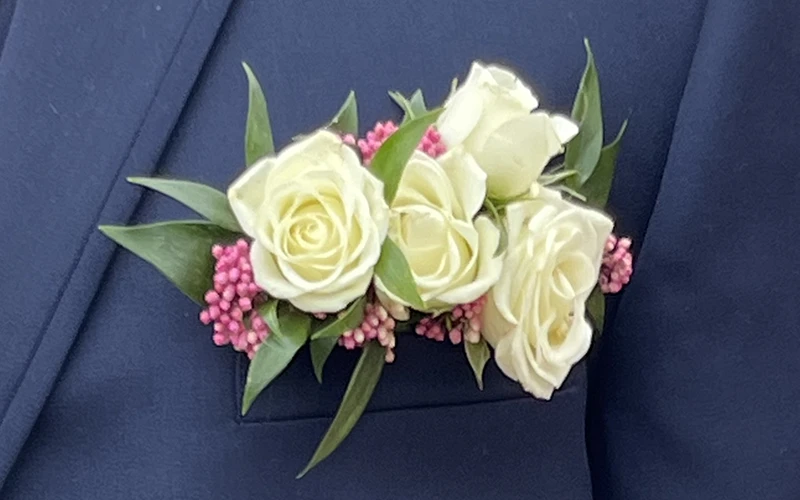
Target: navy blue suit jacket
pixel 111 388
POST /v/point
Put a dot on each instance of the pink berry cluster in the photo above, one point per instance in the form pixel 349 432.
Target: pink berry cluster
pixel 431 143
pixel 377 325
pixel 464 323
pixel 231 303
pixel 617 266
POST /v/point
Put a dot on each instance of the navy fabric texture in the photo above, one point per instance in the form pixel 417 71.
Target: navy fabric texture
pixel 111 388
pixel 695 393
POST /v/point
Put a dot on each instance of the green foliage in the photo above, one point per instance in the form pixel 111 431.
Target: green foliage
pixel 289 330
pixel 583 151
pixel 596 307
pixel 258 133
pixel 205 200
pixel 181 250
pixel 359 391
pixel 412 107
pixel 395 274
pixel 346 119
pixel 478 355
pixel 391 158
pixel 320 349
pixel 598 186
pixel 351 317
pixel 498 220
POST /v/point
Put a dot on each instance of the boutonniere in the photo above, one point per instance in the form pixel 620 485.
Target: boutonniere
pixel 479 223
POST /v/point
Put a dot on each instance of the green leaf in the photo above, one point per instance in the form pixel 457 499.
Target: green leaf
pixel 583 151
pixel 395 274
pixel 391 158
pixel 478 355
pixel 258 134
pixel 413 107
pixel 289 332
pixel 320 350
pixel 596 307
pixel 346 119
pixel 181 250
pixel 417 102
pixel 571 192
pixel 598 186
pixel 549 179
pixel 359 391
pixel 498 221
pixel 205 200
pixel 351 318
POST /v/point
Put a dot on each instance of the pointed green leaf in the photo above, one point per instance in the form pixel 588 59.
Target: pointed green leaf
pixel 320 350
pixel 391 158
pixel 205 200
pixel 501 226
pixel 478 355
pixel 417 101
pixel 350 318
pixel 412 107
pixel 359 391
pixel 395 274
pixel 181 250
pixel 549 179
pixel 258 133
pixel 598 186
pixel 570 192
pixel 346 119
pixel 584 150
pixel 596 307
pixel 289 332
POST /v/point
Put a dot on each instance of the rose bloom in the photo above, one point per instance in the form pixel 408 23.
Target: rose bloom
pixel 489 115
pixel 451 256
pixel 317 218
pixel 535 316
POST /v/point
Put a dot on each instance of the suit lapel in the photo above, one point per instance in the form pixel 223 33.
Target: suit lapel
pixel 90 91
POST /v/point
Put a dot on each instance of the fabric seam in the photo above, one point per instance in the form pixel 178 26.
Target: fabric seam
pixel 85 240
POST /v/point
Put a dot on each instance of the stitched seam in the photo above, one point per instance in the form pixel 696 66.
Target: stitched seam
pixel 421 407
pixel 85 240
pixel 241 374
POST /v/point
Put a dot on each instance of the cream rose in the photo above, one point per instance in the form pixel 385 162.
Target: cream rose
pixel 535 315
pixel 318 220
pixel 451 256
pixel 490 117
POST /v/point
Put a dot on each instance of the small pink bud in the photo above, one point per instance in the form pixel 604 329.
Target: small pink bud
pixel 205 318
pixel 212 297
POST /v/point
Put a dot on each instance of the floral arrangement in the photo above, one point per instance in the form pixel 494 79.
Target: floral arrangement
pixel 458 225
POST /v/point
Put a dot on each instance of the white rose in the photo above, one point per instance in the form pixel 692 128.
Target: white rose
pixel 490 116
pixel 431 220
pixel 535 315
pixel 318 220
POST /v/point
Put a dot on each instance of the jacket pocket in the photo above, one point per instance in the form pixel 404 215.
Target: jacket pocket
pixel 424 374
